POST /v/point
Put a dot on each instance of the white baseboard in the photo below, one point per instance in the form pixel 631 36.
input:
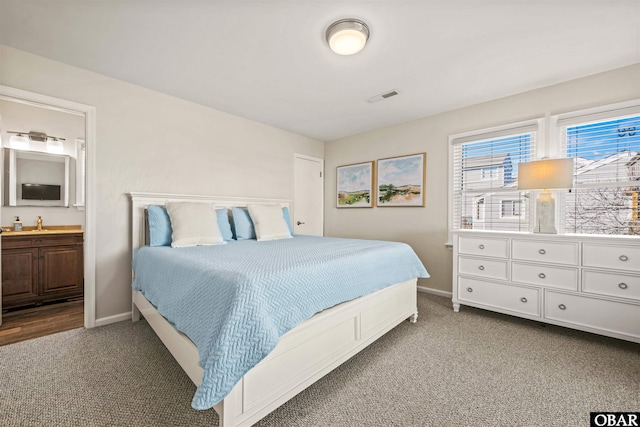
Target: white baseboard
pixel 113 319
pixel 435 292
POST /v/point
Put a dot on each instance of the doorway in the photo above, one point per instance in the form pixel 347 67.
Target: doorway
pixel 83 146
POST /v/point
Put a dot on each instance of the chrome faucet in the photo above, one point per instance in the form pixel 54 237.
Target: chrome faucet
pixel 39 228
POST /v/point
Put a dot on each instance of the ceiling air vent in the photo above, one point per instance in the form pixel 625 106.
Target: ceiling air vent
pixel 382 96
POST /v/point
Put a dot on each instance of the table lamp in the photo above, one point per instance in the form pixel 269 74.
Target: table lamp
pixel 545 175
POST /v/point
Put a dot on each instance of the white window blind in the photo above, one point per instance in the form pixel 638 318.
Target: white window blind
pixel 606 147
pixel 484 179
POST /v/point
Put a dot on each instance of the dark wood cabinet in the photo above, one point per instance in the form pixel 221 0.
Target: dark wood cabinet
pixel 41 268
pixel 19 275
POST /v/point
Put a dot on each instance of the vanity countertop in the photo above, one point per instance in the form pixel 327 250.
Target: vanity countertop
pixel 32 231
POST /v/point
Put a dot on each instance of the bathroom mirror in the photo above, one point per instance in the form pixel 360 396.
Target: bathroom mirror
pixel 34 178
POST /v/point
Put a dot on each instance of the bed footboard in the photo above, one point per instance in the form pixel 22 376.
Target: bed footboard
pixel 304 355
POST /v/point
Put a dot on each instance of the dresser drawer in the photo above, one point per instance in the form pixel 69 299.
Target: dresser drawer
pixel 611 316
pixel 620 257
pixel 507 297
pixel 544 251
pixel 491 247
pixel 545 275
pixel 489 268
pixel 611 283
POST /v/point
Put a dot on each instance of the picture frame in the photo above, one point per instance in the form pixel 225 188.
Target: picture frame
pixel 354 185
pixel 401 181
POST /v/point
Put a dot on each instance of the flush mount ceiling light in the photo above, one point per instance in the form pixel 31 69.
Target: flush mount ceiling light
pixel 347 36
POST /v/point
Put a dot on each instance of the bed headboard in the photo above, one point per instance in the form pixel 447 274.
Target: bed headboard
pixel 139 202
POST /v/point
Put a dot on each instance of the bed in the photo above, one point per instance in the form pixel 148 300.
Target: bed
pixel 291 332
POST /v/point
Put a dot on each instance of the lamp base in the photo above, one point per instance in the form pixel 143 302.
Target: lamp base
pixel 545 214
pixel 542 230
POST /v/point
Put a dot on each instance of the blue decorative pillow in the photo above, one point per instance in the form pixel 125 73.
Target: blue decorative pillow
pixel 223 223
pixel 285 212
pixel 243 225
pixel 160 225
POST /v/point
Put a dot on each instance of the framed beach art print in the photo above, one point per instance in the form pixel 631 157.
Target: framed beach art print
pixel 402 180
pixel 355 185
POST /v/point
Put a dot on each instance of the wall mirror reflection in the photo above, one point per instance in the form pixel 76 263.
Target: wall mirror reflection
pixel 35 179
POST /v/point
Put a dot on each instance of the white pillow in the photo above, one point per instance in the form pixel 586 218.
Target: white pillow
pixel 193 224
pixel 268 221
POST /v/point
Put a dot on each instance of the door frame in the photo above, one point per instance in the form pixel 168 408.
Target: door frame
pixel 89 113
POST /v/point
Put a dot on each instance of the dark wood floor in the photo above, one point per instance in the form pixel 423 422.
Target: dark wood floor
pixel 36 322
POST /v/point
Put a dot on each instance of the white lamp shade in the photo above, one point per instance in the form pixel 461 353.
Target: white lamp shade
pixel 545 174
pixel 347 36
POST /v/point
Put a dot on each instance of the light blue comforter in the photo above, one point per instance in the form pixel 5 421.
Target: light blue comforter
pixel 235 301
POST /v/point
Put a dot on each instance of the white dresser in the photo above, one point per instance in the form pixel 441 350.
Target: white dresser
pixel 582 282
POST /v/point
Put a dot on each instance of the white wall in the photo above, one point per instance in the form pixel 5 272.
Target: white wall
pixel 148 141
pixel 18 117
pixel 425 229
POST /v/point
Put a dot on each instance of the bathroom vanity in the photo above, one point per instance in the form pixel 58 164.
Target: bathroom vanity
pixel 40 266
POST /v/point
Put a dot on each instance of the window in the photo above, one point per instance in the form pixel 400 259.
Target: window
pixel 490 173
pixel 510 208
pixel 607 173
pixel 484 193
pixel 605 198
pixel 480 209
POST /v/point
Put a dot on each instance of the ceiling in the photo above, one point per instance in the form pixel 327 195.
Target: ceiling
pixel 268 60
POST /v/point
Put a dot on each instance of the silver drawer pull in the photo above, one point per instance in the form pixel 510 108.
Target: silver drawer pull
pixel 562 307
pixel 481 267
pixel 624 258
pixel 469 289
pixel 542 252
pixel 481 247
pixel 523 299
pixel 623 285
pixel 542 275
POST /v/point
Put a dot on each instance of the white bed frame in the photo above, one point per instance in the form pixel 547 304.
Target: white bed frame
pixel 304 355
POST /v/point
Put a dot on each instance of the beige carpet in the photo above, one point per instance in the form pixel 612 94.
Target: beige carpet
pixel 472 368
